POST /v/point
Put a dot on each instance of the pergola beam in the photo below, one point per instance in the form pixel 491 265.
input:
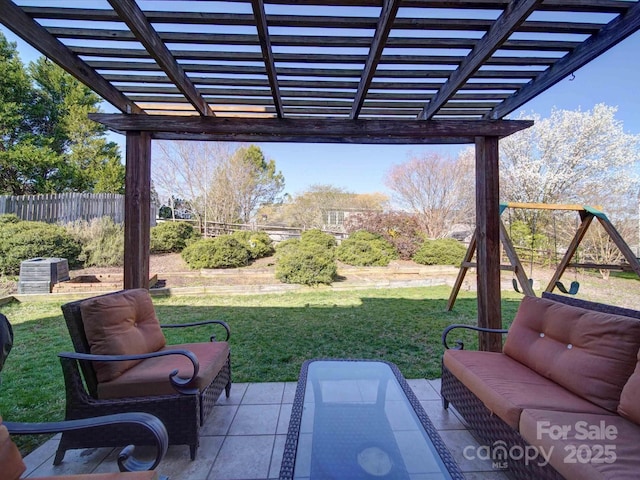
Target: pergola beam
pixel 515 14
pixel 130 13
pixel 610 35
pixel 385 22
pixel 39 38
pixel 309 130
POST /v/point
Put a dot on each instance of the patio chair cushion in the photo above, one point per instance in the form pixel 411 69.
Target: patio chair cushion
pixel 10 458
pixel 151 377
pixel 506 387
pixel 629 405
pixel 558 341
pixel 576 454
pixel 124 323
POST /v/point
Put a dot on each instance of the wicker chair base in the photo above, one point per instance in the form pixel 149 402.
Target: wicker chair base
pixel 488 428
pixel 181 414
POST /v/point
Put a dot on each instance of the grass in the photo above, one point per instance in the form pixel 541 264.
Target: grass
pixel 271 336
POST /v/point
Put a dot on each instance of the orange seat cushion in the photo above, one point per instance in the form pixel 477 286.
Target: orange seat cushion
pixel 629 400
pixel 151 376
pixel 595 446
pixel 123 323
pixel 590 353
pixel 506 387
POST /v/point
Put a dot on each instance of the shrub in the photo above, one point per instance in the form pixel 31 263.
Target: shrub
pixel 220 252
pixel 172 236
pixel 400 229
pixel 259 244
pixel 364 249
pixel 318 237
pixel 9 218
pixel 287 244
pixel 445 251
pixel 102 242
pixel 24 240
pixel 305 263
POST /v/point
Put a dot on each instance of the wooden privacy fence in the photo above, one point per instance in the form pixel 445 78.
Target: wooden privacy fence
pixel 67 207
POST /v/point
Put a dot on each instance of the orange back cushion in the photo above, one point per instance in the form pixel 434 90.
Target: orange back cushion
pixel 592 354
pixel 10 459
pixel 630 399
pixel 123 323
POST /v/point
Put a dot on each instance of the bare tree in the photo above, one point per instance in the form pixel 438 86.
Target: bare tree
pixel 437 189
pixel 223 182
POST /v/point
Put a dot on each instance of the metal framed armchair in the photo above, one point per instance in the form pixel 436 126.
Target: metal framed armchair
pixel 122 364
pixel 131 468
pixel 147 425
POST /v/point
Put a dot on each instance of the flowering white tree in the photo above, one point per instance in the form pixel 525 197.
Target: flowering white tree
pixel 568 156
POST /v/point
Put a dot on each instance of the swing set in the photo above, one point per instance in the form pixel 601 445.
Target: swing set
pixel 524 284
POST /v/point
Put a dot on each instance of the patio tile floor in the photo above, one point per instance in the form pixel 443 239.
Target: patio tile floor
pixel 244 439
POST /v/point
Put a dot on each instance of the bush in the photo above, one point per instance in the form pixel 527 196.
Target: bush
pixel 102 242
pixel 318 237
pixel 172 236
pixel 445 251
pixel 220 252
pixel 365 249
pixel 24 240
pixel 400 229
pixel 9 218
pixel 259 244
pixel 305 263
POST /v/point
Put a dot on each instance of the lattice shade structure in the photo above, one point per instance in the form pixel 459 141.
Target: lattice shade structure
pixel 323 59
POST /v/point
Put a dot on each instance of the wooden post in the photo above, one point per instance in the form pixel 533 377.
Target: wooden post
pixel 137 202
pixel 488 241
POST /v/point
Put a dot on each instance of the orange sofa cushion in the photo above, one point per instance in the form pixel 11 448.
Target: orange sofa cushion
pixel 611 438
pixel 151 376
pixel 630 399
pixel 10 458
pixel 506 386
pixel 123 323
pixel 592 354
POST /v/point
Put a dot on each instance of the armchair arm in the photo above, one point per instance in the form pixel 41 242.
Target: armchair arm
pixel 126 461
pixel 181 385
pixel 224 324
pixel 460 344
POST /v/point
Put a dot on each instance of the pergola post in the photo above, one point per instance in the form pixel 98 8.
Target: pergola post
pixel 137 201
pixel 488 241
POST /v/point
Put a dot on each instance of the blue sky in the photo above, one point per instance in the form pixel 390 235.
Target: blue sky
pixel 611 79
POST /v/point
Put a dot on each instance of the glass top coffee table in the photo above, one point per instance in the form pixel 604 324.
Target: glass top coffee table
pixel 359 419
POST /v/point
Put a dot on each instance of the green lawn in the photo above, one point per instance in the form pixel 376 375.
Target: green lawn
pixel 271 336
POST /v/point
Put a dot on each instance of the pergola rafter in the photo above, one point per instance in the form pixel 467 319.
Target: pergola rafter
pixel 135 19
pixel 611 34
pixel 385 22
pixel 504 26
pixel 267 53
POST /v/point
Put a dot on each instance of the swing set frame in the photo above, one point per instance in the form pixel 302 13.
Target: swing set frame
pixel 587 215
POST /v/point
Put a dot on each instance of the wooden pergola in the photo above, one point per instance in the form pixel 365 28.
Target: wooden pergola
pixel 342 71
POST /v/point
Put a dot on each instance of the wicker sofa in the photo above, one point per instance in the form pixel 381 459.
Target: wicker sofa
pixel 561 400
